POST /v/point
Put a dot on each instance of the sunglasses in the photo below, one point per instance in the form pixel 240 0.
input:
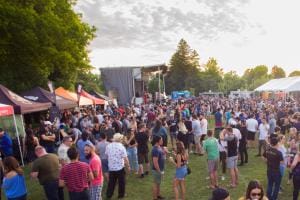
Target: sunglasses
pixel 255 194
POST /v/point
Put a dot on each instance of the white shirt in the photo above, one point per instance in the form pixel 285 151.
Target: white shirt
pixel 196 127
pixel 204 126
pixel 100 118
pixel 62 153
pixel 263 131
pixel 251 124
pixel 232 122
pixel 116 153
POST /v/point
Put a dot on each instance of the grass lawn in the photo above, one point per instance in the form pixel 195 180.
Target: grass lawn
pixel 196 183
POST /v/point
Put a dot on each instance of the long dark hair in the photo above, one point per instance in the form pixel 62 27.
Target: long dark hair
pixel 11 164
pixel 253 185
pixel 180 148
pixel 29 140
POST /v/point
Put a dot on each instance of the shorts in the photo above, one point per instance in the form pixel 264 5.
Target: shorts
pixel 173 135
pixel 251 135
pixel 181 172
pixel 232 162
pixel 143 158
pixel 212 165
pixel 104 165
pixel 197 139
pixel 157 177
pixel 190 138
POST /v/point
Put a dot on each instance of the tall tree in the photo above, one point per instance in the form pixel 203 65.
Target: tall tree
pixel 90 82
pixel 184 68
pixel 212 75
pixel 277 72
pixel 294 73
pixel 255 77
pixel 231 82
pixel 42 40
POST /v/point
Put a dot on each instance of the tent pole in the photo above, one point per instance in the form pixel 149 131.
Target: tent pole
pixel 18 138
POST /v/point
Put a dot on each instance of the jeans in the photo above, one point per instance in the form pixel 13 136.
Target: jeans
pixel 52 191
pixel 261 144
pixel 274 179
pixel 132 157
pixel 84 195
pixel 243 153
pixel 115 176
pixel 296 183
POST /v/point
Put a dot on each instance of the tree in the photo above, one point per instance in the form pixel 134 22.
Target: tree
pixel 184 68
pixel 294 73
pixel 277 72
pixel 153 85
pixel 40 41
pixel 90 82
pixel 231 82
pixel 212 75
pixel 255 77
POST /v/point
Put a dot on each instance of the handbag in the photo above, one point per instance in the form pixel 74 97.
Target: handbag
pixel 189 171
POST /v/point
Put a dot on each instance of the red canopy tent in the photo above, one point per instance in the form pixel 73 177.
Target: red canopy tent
pixel 96 100
pixel 7 110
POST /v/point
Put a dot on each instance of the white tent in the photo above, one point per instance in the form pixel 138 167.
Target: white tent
pixel 289 84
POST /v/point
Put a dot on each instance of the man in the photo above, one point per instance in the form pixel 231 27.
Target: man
pixel 46 169
pixel 62 150
pixel 117 159
pixel 76 176
pixel 157 156
pixel 47 137
pixel 210 145
pixel 5 144
pixel 95 165
pixel 272 124
pixel 100 149
pixel 252 126
pixel 263 130
pixel 142 139
pixel 218 121
pixel 274 158
pixel 197 134
pixel 232 155
pixel 204 127
pixel 173 128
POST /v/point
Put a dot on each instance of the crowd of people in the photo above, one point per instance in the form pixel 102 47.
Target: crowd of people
pixel 86 147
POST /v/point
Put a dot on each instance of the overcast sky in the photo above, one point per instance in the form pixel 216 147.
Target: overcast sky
pixel 238 33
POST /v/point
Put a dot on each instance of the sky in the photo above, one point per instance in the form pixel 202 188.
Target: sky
pixel 238 33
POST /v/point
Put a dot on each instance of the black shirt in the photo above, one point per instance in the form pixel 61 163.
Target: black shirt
pixel 173 126
pixel 232 147
pixel 274 157
pixel 142 140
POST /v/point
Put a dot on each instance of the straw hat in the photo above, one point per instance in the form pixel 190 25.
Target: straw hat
pixel 118 137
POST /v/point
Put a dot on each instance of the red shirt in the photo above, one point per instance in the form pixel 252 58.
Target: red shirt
pixel 95 165
pixel 75 176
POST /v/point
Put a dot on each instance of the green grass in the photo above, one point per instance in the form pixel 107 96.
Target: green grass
pixel 196 183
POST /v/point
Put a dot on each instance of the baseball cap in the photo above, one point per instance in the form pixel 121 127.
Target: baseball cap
pixel 219 194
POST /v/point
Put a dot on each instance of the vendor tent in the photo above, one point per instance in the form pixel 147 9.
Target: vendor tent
pixel 40 95
pixel 7 110
pixel 289 84
pixel 102 96
pixel 96 100
pixel 73 96
pixel 20 105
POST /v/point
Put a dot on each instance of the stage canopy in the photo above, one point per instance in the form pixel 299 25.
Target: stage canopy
pixel 40 95
pixel 73 96
pixel 96 100
pixel 289 84
pixel 20 105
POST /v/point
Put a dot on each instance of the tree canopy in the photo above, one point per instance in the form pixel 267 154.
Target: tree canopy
pixel 294 73
pixel 42 40
pixel 277 72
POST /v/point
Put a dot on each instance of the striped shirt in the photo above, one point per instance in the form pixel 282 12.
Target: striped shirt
pixel 75 176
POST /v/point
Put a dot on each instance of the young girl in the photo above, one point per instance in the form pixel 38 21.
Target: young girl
pixel 14 181
pixel 293 149
pixel 180 162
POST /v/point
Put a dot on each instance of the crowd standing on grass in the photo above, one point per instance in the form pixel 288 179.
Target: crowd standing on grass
pixel 89 147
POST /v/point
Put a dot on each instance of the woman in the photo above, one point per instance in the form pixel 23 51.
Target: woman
pixel 132 150
pixel 293 149
pixel 96 128
pixel 14 181
pixel 182 133
pixel 30 142
pixel 254 191
pixel 181 170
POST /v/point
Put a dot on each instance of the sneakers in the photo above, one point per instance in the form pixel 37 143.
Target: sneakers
pixel 223 178
pixel 191 152
pixel 160 197
pixel 147 172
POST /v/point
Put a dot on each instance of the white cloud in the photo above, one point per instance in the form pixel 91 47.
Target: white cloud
pixel 238 34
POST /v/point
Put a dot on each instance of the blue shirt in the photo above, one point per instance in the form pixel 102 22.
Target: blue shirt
pixel 157 152
pixel 15 186
pixel 6 145
pixel 80 146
